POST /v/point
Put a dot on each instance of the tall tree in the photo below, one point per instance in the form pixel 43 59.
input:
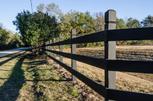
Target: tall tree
pixel 82 22
pixel 99 21
pixel 35 28
pixel 133 23
pixel 4 36
pixel 8 40
pixel 148 21
pixel 52 9
pixel 121 24
pixel 22 23
pixel 15 40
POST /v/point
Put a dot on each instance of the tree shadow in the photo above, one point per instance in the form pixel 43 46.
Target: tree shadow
pixel 9 91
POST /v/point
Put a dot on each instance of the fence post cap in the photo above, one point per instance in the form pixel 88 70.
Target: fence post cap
pixel 110 16
pixel 111 10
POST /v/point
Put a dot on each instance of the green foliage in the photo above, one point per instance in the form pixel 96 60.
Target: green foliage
pixel 15 40
pixel 8 39
pixel 4 36
pixel 148 21
pixel 82 22
pixel 74 92
pixel 35 28
pixel 121 24
pixel 99 22
pixel 22 22
pixel 133 23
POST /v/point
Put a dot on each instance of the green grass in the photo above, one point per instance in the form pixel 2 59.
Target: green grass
pixel 32 79
pixel 44 82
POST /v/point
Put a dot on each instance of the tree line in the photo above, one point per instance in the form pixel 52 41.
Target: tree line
pixel 8 39
pixel 48 22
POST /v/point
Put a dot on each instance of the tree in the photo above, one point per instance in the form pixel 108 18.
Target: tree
pixel 22 23
pixel 4 36
pixel 121 24
pixel 15 41
pixel 99 22
pixel 8 39
pixel 133 23
pixel 51 9
pixel 82 22
pixel 148 21
pixel 35 28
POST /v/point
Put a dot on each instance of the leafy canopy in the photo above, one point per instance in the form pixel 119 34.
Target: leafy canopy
pixel 35 28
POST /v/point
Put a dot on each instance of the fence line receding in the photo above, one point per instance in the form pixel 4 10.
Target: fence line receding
pixel 109 36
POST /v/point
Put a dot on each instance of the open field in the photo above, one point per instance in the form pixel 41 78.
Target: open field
pixel 138 82
pixel 125 52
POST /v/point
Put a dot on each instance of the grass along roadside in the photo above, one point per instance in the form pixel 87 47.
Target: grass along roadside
pixel 11 78
pixel 47 83
pixel 32 79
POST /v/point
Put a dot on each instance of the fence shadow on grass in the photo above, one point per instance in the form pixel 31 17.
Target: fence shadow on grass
pixel 9 91
pixel 11 57
pixel 38 62
pixel 34 67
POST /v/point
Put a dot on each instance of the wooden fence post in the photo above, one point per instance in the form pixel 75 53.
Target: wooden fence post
pixel 110 49
pixel 60 49
pixel 46 47
pixel 73 51
pixel 54 48
pixel 49 46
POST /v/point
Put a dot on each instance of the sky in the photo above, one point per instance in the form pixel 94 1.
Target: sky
pixel 138 9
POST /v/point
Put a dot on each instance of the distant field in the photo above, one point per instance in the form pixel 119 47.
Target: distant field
pixel 125 81
pixel 125 52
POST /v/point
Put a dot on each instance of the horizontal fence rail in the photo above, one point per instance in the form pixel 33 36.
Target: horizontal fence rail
pixel 85 59
pixel 128 96
pixel 112 94
pixel 130 34
pixel 113 65
pixel 110 64
pixel 111 35
pixel 97 87
pixel 130 66
pixel 94 37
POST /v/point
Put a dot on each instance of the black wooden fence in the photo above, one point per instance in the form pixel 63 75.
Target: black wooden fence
pixel 109 63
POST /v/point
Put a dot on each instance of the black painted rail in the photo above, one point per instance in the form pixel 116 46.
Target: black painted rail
pixel 109 63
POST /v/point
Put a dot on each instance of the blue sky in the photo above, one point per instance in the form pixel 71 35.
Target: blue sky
pixel 125 8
